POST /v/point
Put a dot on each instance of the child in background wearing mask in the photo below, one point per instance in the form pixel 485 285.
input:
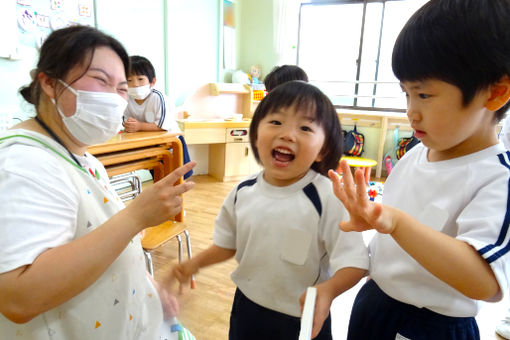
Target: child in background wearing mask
pixel 148 109
pixel 282 224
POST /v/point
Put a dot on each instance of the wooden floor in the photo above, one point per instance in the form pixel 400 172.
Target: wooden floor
pixel 205 310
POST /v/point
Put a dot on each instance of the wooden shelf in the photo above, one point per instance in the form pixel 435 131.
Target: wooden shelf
pixel 217 88
pixel 245 90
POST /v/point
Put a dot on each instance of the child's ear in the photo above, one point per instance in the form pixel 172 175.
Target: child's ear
pixel 499 94
pixel 153 82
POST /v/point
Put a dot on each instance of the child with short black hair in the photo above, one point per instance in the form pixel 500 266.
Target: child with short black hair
pixel 283 74
pixel 148 109
pixel 281 224
pixel 442 229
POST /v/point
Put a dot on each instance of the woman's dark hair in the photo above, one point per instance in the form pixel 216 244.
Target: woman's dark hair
pixel 463 42
pixel 64 49
pixel 139 65
pixel 282 74
pixel 306 97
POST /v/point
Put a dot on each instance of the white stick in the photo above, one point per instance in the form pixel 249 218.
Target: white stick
pixel 307 318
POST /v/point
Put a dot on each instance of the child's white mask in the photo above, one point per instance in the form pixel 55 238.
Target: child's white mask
pixel 98 115
pixel 140 92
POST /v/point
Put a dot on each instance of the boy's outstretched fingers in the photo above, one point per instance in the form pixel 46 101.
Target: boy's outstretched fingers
pixel 337 184
pixel 352 193
pixel 361 187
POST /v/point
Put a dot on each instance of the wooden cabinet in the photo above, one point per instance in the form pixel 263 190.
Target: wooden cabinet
pixel 231 161
pixel 230 155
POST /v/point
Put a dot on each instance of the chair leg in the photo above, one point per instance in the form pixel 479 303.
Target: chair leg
pixel 179 240
pixel 148 257
pixel 188 247
pixel 188 243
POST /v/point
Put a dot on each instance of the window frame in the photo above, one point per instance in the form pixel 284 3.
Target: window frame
pixel 357 81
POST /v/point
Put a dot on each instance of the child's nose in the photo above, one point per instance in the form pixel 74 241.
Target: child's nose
pixel 412 110
pixel 288 133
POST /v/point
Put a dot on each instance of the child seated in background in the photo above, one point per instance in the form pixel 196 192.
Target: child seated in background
pixel 282 224
pixel 148 109
pixel 283 74
pixel 441 246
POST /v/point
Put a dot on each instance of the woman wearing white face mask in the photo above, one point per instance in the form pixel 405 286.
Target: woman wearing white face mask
pixel 71 263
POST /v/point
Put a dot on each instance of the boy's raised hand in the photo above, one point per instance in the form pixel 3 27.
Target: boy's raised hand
pixel 184 272
pixel 364 214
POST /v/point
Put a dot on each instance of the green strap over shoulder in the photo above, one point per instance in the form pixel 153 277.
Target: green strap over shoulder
pixel 49 147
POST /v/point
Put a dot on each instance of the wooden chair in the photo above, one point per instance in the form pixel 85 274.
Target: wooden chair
pixel 127 185
pixel 153 237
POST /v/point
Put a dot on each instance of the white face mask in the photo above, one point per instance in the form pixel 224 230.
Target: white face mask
pixel 140 92
pixel 98 116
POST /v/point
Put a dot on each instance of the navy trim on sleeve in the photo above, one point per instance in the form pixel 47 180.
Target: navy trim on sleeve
pixel 163 107
pixel 494 255
pixel 311 192
pixel 246 183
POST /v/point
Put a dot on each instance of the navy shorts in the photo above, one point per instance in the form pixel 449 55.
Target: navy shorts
pixel 375 315
pixel 250 321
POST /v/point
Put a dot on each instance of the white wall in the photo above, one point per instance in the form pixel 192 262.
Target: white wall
pixel 180 37
pixel 139 26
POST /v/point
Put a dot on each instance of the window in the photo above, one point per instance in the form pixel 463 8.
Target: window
pixel 345 48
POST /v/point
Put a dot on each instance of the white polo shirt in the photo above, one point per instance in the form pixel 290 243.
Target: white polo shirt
pixel 156 109
pixel 466 198
pixel 286 239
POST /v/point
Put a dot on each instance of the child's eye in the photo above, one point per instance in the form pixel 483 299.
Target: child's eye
pixel 306 128
pixel 423 95
pixel 275 122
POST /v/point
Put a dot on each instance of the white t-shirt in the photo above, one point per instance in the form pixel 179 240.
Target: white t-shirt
pixel 504 134
pixel 286 239
pixel 46 200
pixel 155 109
pixel 466 198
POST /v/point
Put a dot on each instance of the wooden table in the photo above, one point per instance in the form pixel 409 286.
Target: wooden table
pixel 160 151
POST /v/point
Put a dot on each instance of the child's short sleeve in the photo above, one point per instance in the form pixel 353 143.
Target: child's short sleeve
pixel 225 223
pixel 483 224
pixel 344 249
pixel 167 116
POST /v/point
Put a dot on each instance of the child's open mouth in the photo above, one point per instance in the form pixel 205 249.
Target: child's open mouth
pixel 282 155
